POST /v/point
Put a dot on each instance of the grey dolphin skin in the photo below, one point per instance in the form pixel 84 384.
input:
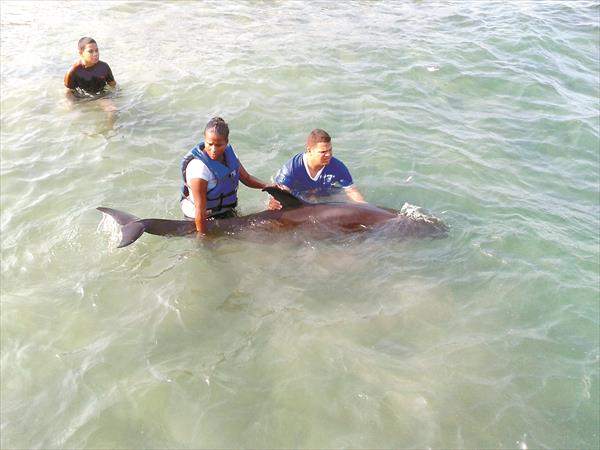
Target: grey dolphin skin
pixel 334 216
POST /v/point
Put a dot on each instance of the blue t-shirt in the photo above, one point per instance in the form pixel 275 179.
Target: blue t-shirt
pixel 331 178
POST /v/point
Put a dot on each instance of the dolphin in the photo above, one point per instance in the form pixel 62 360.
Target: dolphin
pixel 295 213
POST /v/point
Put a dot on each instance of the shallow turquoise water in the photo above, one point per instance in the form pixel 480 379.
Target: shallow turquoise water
pixel 485 114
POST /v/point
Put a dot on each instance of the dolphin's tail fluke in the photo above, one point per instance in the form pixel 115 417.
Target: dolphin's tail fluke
pixel 131 226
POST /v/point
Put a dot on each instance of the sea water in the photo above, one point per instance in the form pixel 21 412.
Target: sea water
pixel 484 114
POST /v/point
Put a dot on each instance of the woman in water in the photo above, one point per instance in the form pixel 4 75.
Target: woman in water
pixel 211 172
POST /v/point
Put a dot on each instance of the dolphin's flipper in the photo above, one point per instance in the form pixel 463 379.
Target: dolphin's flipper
pixel 131 226
pixel 287 199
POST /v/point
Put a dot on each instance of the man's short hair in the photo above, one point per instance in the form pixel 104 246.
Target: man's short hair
pixel 85 41
pixel 317 135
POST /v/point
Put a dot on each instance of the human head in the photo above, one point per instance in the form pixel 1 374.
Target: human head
pixel 318 148
pixel 88 50
pixel 317 135
pixel 218 126
pixel 85 41
pixel 216 137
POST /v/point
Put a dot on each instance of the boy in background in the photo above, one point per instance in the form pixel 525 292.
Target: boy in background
pixel 88 77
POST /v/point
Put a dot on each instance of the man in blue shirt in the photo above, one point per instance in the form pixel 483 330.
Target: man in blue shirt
pixel 316 172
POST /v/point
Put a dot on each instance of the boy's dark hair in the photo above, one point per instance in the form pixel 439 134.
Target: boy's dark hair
pixel 85 41
pixel 317 135
pixel 218 126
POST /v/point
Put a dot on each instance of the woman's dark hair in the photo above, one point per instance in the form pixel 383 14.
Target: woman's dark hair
pixel 317 135
pixel 219 126
pixel 85 41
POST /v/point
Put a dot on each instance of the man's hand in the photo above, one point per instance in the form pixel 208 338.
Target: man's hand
pixel 273 203
pixel 283 187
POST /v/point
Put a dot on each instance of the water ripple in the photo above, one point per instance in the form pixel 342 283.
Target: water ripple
pixel 484 114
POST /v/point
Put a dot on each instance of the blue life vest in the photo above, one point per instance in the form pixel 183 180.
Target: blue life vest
pixel 224 195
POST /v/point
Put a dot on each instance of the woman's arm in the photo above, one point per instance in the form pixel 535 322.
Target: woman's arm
pixel 199 188
pixel 249 180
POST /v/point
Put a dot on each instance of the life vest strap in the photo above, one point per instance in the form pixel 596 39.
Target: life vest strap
pixel 220 198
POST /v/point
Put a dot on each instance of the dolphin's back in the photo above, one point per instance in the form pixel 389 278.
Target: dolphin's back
pixel 341 214
pixel 348 216
pixel 166 227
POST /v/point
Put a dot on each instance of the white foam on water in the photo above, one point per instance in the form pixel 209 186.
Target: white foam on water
pixel 416 213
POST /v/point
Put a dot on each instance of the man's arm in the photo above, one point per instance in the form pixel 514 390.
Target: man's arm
pixel 110 78
pixel 69 94
pixel 354 194
pixel 282 180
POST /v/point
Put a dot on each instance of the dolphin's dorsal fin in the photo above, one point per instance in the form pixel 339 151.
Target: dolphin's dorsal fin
pixel 287 199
